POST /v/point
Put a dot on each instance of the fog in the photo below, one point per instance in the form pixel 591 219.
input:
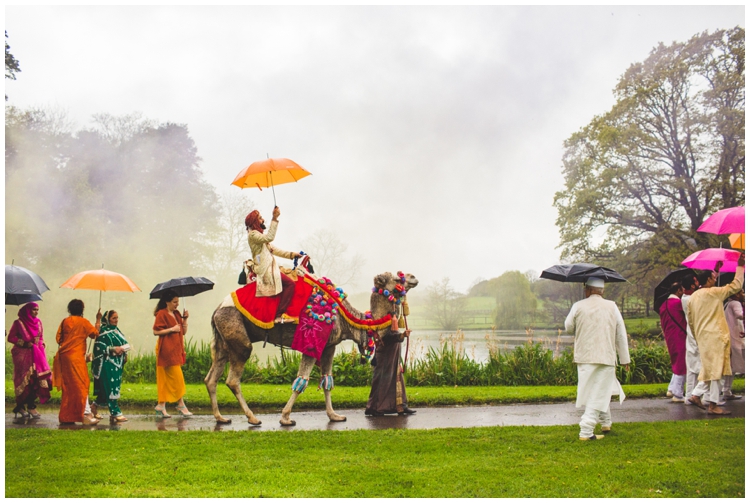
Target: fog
pixel 434 135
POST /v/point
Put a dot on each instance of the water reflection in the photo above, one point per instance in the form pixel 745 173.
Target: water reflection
pixel 478 344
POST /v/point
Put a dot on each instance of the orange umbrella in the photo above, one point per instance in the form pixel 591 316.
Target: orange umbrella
pixel 270 172
pixel 737 241
pixel 102 280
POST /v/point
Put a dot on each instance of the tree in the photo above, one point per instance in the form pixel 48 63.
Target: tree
pixel 516 303
pixel 671 151
pixel 131 197
pixel 445 306
pixel 11 63
pixel 329 258
pixel 226 247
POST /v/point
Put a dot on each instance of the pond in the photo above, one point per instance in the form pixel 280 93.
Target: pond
pixel 475 343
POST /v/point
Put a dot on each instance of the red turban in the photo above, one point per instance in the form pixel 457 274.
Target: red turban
pixel 251 221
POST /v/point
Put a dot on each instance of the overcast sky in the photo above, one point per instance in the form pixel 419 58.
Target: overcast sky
pixel 434 134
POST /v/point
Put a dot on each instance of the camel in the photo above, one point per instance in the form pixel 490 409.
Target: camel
pixel 234 335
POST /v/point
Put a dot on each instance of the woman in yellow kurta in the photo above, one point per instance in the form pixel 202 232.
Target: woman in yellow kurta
pixel 69 370
pixel 171 328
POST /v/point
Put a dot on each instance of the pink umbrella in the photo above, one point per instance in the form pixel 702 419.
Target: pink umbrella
pixel 706 259
pixel 726 221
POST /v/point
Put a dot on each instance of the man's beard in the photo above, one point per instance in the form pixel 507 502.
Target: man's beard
pixel 263 226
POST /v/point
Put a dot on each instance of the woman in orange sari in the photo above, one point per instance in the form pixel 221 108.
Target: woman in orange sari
pixel 171 328
pixel 69 370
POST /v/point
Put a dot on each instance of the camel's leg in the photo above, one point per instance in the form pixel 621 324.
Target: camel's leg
pixel 233 382
pixel 219 357
pixel 326 365
pixel 305 368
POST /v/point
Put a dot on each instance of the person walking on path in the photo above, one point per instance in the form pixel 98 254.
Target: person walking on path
pixel 600 339
pixel 709 325
pixel 673 325
pixel 171 328
pixel 735 315
pixel 106 367
pixel 388 392
pixel 32 377
pixel 269 279
pixel 69 370
pixel 695 389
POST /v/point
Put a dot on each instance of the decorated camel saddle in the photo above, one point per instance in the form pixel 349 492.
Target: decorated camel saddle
pixel 315 307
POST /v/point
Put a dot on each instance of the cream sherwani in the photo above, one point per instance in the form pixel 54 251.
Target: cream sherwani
pixel 600 338
pixel 264 264
pixel 709 325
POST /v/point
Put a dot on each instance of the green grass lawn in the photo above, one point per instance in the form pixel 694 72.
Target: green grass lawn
pixel 274 396
pixel 636 460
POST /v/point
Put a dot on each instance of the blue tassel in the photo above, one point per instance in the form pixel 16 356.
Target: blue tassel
pixel 299 385
pixel 326 382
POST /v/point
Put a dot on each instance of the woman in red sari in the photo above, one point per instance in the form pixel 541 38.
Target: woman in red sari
pixel 69 369
pixel 31 372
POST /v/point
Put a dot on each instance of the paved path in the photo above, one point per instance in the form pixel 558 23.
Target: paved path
pixel 632 410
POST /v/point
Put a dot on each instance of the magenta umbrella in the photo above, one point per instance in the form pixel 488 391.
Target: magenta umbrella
pixel 726 221
pixel 706 259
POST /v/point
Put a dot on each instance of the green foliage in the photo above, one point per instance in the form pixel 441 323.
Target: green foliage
pixel 649 362
pixel 636 460
pixel 670 152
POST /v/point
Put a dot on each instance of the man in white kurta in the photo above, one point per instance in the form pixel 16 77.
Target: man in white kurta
pixel 709 325
pixel 600 338
pixel 694 388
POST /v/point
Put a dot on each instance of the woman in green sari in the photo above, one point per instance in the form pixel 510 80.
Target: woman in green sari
pixel 110 354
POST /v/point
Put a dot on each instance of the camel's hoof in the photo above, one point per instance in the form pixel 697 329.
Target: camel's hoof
pixel 291 422
pixel 255 424
pixel 221 420
pixel 337 419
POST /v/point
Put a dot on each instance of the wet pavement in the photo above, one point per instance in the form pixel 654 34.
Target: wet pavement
pixel 635 410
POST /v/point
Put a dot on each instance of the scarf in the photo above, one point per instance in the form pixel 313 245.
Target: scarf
pixel 32 324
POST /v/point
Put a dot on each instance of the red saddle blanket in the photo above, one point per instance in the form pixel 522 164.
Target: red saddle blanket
pixel 261 311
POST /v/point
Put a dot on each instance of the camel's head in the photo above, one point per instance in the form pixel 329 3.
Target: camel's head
pixel 388 281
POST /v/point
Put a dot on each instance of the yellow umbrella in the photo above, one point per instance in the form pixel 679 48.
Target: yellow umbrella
pixel 270 172
pixel 737 241
pixel 102 280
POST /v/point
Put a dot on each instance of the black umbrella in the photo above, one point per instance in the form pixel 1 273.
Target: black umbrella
pixel 183 287
pixel 579 273
pixel 16 299
pixel 22 285
pixel 661 292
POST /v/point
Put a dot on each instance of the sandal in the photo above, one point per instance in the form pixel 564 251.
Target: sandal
pixel 719 412
pixel 35 414
pixel 119 419
pixel 95 411
pixel 184 411
pixel 161 413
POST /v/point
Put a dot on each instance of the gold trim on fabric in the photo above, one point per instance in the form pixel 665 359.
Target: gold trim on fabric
pixel 249 316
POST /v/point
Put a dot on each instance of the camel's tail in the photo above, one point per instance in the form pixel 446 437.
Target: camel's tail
pixel 218 339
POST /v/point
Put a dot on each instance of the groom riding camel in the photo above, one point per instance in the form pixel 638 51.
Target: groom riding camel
pixel 270 281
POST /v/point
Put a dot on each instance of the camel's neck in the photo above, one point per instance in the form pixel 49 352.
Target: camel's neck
pixel 347 330
pixel 380 306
